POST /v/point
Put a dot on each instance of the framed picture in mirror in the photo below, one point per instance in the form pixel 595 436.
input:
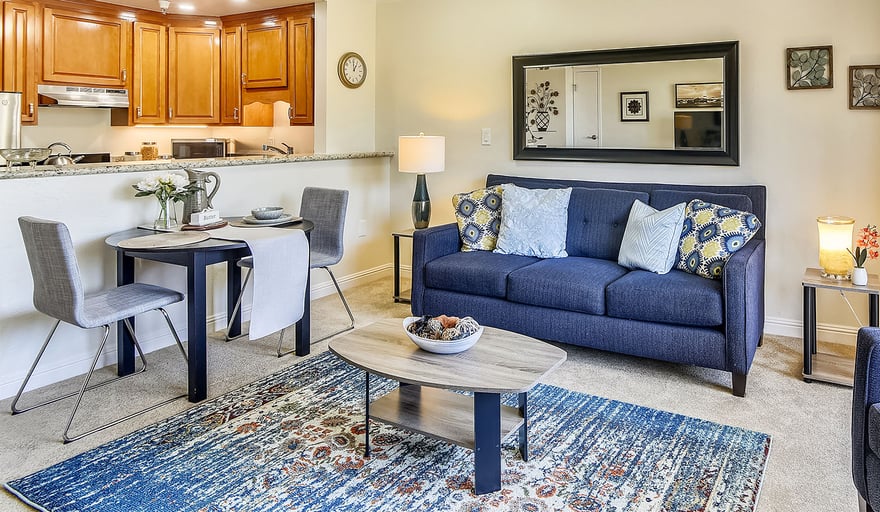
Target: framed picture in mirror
pixel 706 95
pixel 634 106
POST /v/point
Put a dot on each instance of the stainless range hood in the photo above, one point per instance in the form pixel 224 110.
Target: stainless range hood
pixel 73 96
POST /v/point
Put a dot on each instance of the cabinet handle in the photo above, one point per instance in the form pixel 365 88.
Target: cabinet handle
pixel 124 76
pixel 139 112
pixel 235 113
pixel 30 109
pixel 170 112
pixel 244 79
pixel 290 112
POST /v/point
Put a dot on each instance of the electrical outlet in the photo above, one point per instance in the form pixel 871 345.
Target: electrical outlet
pixel 270 141
pixel 487 136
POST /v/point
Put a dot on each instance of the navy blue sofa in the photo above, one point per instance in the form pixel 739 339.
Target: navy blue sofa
pixel 866 418
pixel 588 299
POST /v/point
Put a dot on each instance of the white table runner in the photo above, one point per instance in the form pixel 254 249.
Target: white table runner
pixel 281 269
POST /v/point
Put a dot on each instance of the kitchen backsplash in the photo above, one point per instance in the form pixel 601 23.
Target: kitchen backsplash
pixel 88 130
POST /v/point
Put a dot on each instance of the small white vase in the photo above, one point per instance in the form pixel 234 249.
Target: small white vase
pixel 859 276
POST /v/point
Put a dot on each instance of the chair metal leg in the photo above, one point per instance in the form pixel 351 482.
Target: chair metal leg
pixel 344 303
pixel 235 309
pixel 85 384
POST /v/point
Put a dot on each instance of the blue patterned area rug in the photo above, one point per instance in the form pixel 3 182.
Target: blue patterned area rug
pixel 293 441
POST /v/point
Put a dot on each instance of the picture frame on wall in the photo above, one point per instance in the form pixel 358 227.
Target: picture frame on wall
pixel 634 106
pixel 809 67
pixel 701 95
pixel 864 87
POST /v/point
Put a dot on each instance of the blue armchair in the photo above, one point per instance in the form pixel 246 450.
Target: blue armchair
pixel 866 418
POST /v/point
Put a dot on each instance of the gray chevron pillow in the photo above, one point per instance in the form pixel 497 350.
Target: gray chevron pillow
pixel 650 241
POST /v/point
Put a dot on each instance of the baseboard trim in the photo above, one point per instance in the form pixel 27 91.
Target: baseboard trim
pixel 833 333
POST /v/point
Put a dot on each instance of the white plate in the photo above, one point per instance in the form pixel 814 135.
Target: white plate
pixel 284 219
pixel 164 240
pixel 441 347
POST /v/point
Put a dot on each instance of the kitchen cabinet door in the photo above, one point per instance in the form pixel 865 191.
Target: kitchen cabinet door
pixel 85 49
pixel 193 75
pixel 20 55
pixel 230 79
pixel 148 88
pixel 302 70
pixel 264 55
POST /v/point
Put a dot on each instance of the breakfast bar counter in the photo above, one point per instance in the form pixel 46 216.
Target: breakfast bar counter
pixel 40 171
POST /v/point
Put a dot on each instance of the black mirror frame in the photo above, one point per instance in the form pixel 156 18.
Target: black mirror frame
pixel 727 50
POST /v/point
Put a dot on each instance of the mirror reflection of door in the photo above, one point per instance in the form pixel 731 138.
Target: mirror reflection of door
pixel 585 109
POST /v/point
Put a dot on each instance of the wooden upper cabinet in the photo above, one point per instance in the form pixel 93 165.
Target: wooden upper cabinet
pixel 149 73
pixel 85 49
pixel 194 75
pixel 264 55
pixel 20 56
pixel 302 71
pixel 230 75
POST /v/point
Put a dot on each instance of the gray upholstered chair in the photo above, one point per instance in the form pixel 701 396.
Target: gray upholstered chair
pixel 58 293
pixel 866 418
pixel 326 208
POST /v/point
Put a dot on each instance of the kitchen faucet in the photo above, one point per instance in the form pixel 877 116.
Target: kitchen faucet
pixel 267 147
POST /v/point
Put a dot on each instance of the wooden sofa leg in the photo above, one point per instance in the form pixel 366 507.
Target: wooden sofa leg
pixel 739 384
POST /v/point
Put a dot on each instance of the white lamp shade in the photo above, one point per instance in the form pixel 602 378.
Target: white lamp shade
pixel 421 153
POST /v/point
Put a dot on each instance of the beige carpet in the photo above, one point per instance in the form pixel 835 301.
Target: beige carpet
pixel 809 467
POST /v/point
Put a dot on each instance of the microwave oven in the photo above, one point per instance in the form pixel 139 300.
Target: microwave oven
pixel 202 148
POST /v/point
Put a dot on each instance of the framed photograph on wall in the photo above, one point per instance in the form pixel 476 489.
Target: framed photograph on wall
pixel 634 106
pixel 864 87
pixel 704 95
pixel 809 67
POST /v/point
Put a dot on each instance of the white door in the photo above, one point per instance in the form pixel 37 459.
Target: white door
pixel 585 111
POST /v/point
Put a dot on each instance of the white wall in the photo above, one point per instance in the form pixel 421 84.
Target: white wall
pixel 446 70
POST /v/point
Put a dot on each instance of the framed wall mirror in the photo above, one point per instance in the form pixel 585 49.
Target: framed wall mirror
pixel 659 104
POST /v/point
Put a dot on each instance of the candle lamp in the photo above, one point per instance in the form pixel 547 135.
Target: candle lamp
pixel 835 238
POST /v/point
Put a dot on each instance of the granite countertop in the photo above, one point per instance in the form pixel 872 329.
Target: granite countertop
pixel 42 171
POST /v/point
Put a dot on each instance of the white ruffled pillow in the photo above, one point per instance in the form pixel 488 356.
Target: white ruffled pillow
pixel 534 222
pixel 650 241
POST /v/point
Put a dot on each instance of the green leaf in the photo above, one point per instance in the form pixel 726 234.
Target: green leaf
pixel 814 53
pixel 796 75
pixel 823 53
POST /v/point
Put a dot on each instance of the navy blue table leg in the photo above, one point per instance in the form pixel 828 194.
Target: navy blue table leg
pixel 124 345
pixel 302 329
pixel 524 429
pixel 233 289
pixel 196 326
pixel 487 442
pixel 367 417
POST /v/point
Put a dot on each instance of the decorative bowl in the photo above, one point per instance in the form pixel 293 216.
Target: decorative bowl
pixel 440 346
pixel 267 212
pixel 24 155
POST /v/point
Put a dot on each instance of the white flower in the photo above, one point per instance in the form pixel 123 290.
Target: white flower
pixel 170 185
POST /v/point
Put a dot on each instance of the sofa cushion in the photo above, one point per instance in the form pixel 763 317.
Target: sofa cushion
pixel 675 298
pixel 662 199
pixel 533 222
pixel 874 428
pixel 597 219
pixel 710 234
pixel 477 272
pixel 650 241
pixel 479 216
pixel 573 284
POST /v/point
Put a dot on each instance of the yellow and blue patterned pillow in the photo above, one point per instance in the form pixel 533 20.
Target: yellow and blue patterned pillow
pixel 710 235
pixel 479 217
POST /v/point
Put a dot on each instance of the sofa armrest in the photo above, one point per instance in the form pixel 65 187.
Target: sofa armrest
pixel 744 305
pixel 866 393
pixel 430 244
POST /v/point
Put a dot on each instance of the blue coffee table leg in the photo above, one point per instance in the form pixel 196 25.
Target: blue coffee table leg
pixel 487 437
pixel 524 429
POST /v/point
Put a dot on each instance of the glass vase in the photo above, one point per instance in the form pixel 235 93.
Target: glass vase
pixel 167 218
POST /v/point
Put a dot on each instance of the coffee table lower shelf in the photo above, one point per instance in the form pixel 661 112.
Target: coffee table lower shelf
pixel 437 413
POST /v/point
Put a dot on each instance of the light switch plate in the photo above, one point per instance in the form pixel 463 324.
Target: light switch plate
pixel 487 136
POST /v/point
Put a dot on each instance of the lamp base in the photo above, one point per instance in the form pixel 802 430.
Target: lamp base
pixel 421 214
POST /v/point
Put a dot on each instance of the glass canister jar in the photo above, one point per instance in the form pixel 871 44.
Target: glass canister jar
pixel 149 151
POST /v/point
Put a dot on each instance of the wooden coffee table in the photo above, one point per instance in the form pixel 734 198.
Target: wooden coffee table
pixel 500 362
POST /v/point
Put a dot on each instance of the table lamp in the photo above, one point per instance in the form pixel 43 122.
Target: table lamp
pixel 421 154
pixel 835 238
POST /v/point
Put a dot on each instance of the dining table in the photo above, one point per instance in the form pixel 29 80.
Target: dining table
pixel 196 257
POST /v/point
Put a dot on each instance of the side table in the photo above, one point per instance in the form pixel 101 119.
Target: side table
pixel 830 367
pixel 406 233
